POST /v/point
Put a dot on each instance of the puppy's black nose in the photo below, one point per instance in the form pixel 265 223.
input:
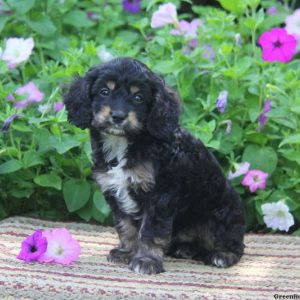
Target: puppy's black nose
pixel 118 117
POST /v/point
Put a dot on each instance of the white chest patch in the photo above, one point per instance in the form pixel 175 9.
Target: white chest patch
pixel 117 179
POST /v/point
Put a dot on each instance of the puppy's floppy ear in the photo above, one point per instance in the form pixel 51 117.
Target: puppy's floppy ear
pixel 164 115
pixel 78 100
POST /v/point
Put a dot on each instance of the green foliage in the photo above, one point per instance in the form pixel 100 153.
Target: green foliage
pixel 45 163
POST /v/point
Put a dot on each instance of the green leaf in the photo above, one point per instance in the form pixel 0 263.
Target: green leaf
pixel 31 159
pixel 44 26
pixel 48 180
pixel 10 166
pixel 45 140
pixel 3 20
pixel 291 154
pixel 76 193
pixel 261 158
pixel 236 7
pixel 66 144
pixel 100 203
pixel 86 212
pixel 293 139
pixel 21 6
pixel 77 18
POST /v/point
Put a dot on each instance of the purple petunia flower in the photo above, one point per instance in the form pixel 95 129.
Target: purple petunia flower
pixel 209 52
pixel 262 117
pixel 228 127
pixel 33 247
pixel 222 101
pixel 188 29
pixel 272 10
pixel 8 121
pixel 133 6
pixel 58 106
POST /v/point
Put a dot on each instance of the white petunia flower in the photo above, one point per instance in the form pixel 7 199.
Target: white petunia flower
pixel 17 50
pixel 240 169
pixel 104 55
pixel 277 215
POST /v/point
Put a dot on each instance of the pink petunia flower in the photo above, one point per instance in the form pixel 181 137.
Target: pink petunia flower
pixel 277 45
pixel 188 29
pixel 293 24
pixel 62 248
pixel 17 50
pixel 240 169
pixel 33 247
pixel 31 93
pixel 165 15
pixel 255 179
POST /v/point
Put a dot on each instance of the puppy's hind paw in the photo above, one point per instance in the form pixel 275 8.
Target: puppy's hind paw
pixel 119 255
pixel 146 265
pixel 222 259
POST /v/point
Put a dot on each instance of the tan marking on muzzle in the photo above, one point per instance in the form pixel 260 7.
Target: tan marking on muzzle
pixel 132 119
pixel 111 85
pixel 134 89
pixel 103 114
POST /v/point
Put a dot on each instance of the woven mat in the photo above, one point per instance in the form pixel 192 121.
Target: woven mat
pixel 271 265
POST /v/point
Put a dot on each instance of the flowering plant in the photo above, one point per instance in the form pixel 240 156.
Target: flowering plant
pixel 235 69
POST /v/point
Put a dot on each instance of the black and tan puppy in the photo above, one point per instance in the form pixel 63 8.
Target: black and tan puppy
pixel 166 190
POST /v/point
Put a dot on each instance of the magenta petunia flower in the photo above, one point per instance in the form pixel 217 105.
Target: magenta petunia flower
pixel 62 248
pixel 188 29
pixel 31 93
pixel 262 117
pixel 255 179
pixel 277 45
pixel 222 101
pixel 33 247
pixel 165 15
pixel 133 6
pixel 293 24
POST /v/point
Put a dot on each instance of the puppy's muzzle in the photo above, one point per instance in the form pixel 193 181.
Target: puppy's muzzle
pixel 118 117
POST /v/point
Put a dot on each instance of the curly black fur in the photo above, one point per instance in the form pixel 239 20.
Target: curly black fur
pixel 166 190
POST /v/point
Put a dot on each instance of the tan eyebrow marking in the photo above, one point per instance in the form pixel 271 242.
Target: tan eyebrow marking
pixel 134 89
pixel 111 84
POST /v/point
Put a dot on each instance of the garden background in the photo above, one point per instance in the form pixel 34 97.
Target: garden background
pixel 235 65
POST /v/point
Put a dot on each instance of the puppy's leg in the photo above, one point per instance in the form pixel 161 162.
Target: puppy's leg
pixel 224 239
pixel 154 237
pixel 187 250
pixel 127 232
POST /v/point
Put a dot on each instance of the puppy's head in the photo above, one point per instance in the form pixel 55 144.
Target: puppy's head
pixel 123 97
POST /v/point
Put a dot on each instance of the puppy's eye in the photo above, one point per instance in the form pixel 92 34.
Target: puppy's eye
pixel 104 92
pixel 138 98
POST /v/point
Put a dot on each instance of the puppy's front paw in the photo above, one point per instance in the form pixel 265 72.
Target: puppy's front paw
pixel 146 265
pixel 119 255
pixel 222 259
